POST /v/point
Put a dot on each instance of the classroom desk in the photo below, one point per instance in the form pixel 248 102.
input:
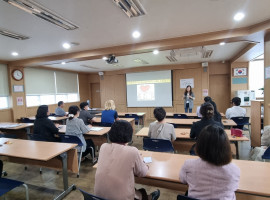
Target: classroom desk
pixel 226 122
pixel 141 116
pixel 189 115
pixel 183 134
pixel 165 167
pixel 54 119
pixel 42 154
pixel 98 137
pixel 15 128
pixel 130 120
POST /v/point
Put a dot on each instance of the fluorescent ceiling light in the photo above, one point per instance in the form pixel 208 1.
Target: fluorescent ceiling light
pixel 136 34
pixel 104 58
pixel 63 63
pixel 40 11
pixel 13 35
pixel 14 53
pixel 239 16
pixel 132 8
pixel 66 45
pixel 222 43
pixel 156 52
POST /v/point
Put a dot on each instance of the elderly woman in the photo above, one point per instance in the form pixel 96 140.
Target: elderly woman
pixel 117 165
pixel 109 115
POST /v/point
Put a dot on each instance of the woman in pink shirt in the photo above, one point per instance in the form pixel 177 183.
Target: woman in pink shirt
pixel 117 165
pixel 212 176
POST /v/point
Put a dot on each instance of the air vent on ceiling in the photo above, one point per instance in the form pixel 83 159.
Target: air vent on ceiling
pixel 13 35
pixel 171 58
pixel 140 61
pixel 43 13
pixel 132 8
pixel 207 53
pixel 90 67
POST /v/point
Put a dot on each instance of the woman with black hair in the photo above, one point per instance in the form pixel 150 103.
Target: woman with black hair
pixel 217 115
pixel 212 175
pixel 117 165
pixel 44 127
pixel 76 126
pixel 188 99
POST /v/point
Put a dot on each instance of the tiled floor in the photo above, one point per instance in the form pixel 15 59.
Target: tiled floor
pixel 48 184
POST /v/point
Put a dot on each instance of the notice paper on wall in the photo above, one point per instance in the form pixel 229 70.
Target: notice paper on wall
pixel 205 92
pixel 19 101
pixel 267 72
pixel 185 82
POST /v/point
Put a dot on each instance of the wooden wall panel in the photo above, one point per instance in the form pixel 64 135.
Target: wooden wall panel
pixel 219 68
pixel 83 87
pixel 267 81
pixel 6 115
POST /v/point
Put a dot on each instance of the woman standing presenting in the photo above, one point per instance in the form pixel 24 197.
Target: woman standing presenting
pixel 188 99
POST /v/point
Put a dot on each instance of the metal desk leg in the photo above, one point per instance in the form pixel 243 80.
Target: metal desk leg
pixel 237 150
pixel 27 130
pixel 67 189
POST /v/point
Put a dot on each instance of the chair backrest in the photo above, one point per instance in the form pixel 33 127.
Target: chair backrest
pixel 241 120
pixel 26 120
pixel 52 114
pixel 266 154
pixel 180 116
pixel 71 139
pixel 236 132
pixel 132 116
pixel 35 137
pixel 158 145
pixel 88 196
pixel 182 197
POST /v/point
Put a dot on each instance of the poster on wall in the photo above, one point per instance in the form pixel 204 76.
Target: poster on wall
pixel 267 72
pixel 19 101
pixel 240 71
pixel 185 82
pixel 205 92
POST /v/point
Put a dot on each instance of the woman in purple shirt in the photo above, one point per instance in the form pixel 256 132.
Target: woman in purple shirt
pixel 212 175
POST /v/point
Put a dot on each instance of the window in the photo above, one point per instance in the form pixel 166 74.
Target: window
pixel 256 77
pixel 4 91
pixel 50 87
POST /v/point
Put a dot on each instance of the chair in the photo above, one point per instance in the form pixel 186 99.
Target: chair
pixel 26 120
pixel 7 184
pixel 180 116
pixel 241 122
pixel 136 117
pixel 158 145
pixel 88 196
pixel 75 140
pixel 182 197
pixel 266 154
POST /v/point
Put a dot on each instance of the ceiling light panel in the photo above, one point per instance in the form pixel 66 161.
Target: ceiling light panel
pixel 13 35
pixel 43 13
pixel 132 8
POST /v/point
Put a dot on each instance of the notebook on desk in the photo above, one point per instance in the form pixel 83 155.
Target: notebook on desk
pixel 96 129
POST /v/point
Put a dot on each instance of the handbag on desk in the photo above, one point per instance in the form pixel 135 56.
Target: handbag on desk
pixel 236 132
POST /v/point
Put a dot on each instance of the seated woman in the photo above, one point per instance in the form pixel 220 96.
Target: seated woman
pixel 207 112
pixel 160 129
pixel 117 165
pixel 109 115
pixel 76 126
pixel 44 127
pixel 217 115
pixel 212 176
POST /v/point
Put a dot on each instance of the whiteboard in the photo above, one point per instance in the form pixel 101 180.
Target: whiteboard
pixel 185 82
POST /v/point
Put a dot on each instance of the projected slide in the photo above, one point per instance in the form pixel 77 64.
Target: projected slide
pixel 149 89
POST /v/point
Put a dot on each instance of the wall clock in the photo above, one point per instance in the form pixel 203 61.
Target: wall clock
pixel 17 74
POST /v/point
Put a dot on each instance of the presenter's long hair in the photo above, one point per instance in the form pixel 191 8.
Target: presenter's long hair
pixel 190 91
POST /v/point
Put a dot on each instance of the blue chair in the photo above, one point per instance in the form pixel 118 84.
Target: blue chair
pixel 135 116
pixel 26 120
pixel 241 122
pixel 7 185
pixel 75 140
pixel 266 155
pixel 88 196
pixel 180 116
pixel 182 197
pixel 157 145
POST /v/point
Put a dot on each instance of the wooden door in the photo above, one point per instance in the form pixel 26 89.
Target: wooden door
pixel 95 95
pixel 219 86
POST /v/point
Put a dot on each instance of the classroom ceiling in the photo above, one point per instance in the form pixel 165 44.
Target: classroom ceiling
pixel 102 24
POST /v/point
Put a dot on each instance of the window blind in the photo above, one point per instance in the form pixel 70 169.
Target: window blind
pixel 66 82
pixel 4 92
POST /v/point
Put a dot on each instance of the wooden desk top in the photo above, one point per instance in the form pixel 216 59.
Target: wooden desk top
pixel 4 125
pixel 97 133
pixel 140 114
pixel 51 118
pixel 98 120
pixel 254 178
pixel 170 114
pixel 183 133
pixel 226 122
pixel 34 150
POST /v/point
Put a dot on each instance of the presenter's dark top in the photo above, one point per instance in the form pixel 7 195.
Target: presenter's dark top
pixel 108 117
pixel 45 129
pixel 199 125
pixel 85 116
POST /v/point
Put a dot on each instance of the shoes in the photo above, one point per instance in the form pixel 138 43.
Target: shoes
pixel 95 160
pixel 155 195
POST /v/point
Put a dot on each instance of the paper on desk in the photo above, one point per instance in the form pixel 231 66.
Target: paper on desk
pixel 147 159
pixel 96 129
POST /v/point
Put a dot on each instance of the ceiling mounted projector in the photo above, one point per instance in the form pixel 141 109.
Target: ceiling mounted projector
pixel 111 59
